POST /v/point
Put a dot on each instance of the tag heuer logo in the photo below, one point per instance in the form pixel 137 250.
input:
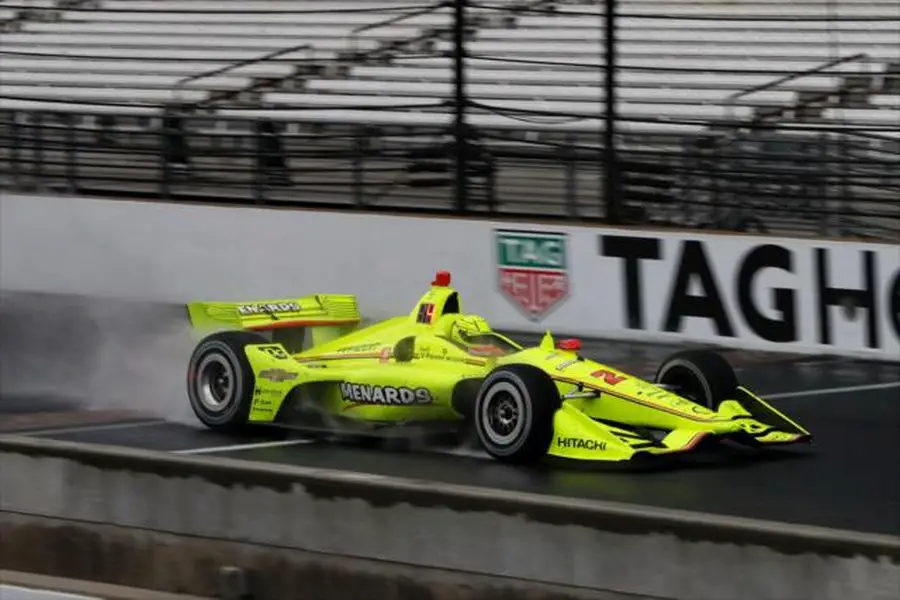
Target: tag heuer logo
pixel 533 270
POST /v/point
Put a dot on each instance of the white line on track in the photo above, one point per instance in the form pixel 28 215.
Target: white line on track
pixel 82 428
pixel 213 449
pixel 836 390
pixel 467 452
pixel 14 592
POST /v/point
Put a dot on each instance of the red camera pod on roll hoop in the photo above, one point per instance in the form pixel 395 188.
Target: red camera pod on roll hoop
pixel 441 279
pixel 573 344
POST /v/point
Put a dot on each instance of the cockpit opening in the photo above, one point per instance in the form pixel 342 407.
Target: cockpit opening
pixel 451 306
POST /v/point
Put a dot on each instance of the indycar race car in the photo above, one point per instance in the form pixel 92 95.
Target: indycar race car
pixel 309 363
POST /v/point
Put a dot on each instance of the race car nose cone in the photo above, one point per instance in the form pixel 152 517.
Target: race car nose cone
pixel 569 344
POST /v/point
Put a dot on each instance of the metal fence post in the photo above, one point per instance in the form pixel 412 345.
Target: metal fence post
pixel 569 156
pixel 70 140
pixel 15 152
pixel 37 152
pixel 611 181
pixel 258 173
pixel 459 122
pixel 360 143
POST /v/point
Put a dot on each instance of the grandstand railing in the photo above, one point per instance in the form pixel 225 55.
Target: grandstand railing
pixel 408 14
pixel 808 100
pixel 309 48
pixel 823 182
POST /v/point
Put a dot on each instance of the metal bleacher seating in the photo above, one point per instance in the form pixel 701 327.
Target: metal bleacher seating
pixel 535 67
pixel 106 52
pixel 684 68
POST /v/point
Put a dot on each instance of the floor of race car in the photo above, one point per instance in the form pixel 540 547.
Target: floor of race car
pixel 848 478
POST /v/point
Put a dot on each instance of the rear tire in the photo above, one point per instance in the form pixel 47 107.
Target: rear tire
pixel 220 380
pixel 703 376
pixel 514 413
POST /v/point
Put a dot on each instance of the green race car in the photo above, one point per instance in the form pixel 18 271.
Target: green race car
pixel 308 363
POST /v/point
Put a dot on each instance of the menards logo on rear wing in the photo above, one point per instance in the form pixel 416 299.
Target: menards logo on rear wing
pixel 318 310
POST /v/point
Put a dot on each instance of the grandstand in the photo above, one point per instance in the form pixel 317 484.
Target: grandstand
pixel 730 113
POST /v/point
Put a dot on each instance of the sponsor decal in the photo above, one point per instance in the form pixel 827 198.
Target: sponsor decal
pixel 369 347
pixel 361 393
pixel 265 308
pixel 263 392
pixel 565 364
pixel 532 270
pixel 264 397
pixel 276 352
pixel 427 353
pixel 580 444
pixel 277 375
pixel 811 309
pixel 608 377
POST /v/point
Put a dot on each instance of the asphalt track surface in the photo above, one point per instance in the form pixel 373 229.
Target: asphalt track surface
pixel 849 478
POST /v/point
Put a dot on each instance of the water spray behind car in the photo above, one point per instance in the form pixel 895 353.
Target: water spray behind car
pixel 82 353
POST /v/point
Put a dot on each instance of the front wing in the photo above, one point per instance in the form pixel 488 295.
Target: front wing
pixel 749 421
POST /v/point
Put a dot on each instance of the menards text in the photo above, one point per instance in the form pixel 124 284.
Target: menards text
pixel 384 394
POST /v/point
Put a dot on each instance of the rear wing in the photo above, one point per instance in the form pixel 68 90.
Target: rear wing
pixel 319 310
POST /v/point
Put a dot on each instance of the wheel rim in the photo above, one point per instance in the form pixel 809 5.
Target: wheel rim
pixel 503 414
pixel 215 383
pixel 685 384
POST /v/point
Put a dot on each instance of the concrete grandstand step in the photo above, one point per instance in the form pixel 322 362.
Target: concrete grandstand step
pixel 662 64
pixel 300 99
pixel 325 17
pixel 576 25
pixel 308 32
pixel 229 55
pixel 440 121
pixel 864 116
pixel 627 78
pixel 308 6
pixel 537 109
pixel 54 64
pixel 753 10
pixel 114 43
pixel 703 36
pixel 26 4
pixel 822 51
pixel 479 91
pixel 104 80
pixel 79 110
pixel 102 94
pixel 887 101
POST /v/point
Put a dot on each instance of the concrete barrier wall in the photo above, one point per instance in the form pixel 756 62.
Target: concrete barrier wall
pixel 168 522
pixel 752 292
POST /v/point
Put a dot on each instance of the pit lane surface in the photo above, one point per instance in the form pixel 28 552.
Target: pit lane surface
pixel 849 478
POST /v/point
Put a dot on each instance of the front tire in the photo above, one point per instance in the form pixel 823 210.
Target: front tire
pixel 514 413
pixel 220 380
pixel 702 376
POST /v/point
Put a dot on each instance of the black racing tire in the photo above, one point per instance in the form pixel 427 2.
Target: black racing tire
pixel 220 380
pixel 703 376
pixel 528 398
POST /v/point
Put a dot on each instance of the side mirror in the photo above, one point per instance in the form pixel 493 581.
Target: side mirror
pixel 404 350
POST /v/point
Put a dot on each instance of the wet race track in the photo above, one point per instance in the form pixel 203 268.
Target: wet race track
pixel 849 478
